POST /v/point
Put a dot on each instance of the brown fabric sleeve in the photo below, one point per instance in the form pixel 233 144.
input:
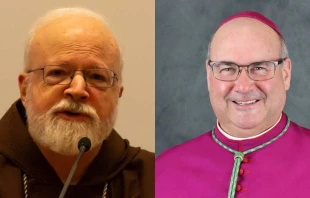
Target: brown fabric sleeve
pixel 11 184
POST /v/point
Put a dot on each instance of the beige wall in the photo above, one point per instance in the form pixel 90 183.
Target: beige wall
pixel 133 24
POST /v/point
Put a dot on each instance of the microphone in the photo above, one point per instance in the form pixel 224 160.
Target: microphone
pixel 83 146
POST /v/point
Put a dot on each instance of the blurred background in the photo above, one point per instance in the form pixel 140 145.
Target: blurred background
pixel 133 25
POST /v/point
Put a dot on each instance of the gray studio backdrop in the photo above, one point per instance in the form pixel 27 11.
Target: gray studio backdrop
pixel 183 30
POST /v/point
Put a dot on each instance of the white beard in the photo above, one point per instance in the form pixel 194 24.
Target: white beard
pixel 61 136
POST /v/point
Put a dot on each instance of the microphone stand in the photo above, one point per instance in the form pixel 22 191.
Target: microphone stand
pixel 84 145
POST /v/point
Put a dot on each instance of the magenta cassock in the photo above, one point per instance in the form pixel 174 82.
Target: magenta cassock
pixel 202 168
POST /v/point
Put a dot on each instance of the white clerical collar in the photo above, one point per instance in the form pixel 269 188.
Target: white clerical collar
pixel 247 138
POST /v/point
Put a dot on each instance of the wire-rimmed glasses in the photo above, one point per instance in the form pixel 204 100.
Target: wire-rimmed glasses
pixel 257 71
pixel 63 75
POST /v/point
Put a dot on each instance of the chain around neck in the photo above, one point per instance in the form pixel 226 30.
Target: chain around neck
pixel 25 181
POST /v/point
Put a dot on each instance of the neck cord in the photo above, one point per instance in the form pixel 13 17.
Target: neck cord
pixel 238 157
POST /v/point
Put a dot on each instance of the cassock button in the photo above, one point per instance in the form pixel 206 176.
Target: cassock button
pixel 245 160
pixel 241 171
pixel 238 188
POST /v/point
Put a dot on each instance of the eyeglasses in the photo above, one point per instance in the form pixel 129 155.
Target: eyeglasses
pixel 63 75
pixel 258 71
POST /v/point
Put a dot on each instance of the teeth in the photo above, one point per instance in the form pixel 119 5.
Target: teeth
pixel 246 103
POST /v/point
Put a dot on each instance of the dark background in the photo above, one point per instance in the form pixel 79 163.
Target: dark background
pixel 183 30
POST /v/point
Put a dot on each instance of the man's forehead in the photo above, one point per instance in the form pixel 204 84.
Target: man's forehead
pixel 244 36
pixel 241 28
pixel 73 23
pixel 76 34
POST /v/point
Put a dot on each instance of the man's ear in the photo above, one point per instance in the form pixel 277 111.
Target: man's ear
pixel 120 93
pixel 208 70
pixel 286 73
pixel 22 83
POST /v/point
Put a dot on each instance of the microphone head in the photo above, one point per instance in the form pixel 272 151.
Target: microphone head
pixel 84 141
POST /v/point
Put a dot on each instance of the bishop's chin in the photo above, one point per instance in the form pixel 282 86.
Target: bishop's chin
pixel 249 123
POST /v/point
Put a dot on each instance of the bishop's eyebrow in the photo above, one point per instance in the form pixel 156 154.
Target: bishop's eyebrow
pixel 226 62
pixel 233 63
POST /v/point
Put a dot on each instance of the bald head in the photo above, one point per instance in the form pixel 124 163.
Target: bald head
pixel 75 28
pixel 244 32
pixel 242 37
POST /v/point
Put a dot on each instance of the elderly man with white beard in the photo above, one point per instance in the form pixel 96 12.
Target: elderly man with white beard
pixel 69 89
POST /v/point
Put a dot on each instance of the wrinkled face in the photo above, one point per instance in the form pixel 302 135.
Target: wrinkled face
pixel 59 115
pixel 245 107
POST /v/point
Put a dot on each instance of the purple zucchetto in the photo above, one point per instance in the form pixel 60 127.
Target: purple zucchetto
pixel 253 15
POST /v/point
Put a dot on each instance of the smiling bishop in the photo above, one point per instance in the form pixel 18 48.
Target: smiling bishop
pixel 254 149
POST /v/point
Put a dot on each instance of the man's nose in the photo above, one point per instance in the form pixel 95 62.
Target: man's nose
pixel 77 89
pixel 243 83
